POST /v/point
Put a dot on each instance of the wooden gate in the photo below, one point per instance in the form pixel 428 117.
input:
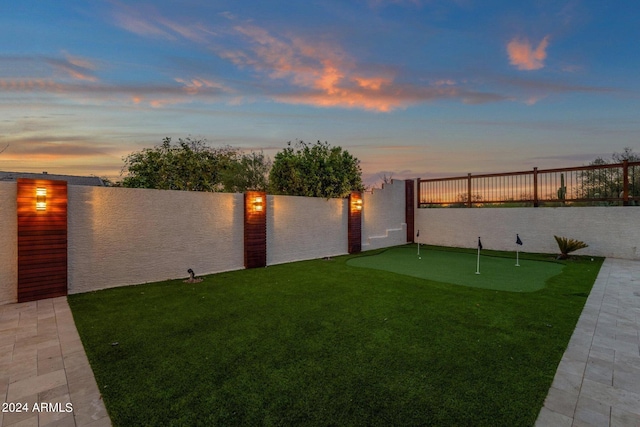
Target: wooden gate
pixel 42 239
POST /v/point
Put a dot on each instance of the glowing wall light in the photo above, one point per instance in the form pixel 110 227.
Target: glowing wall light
pixel 258 204
pixel 41 199
pixel 356 203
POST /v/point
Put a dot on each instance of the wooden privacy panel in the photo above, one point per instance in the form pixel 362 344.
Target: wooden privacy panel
pixel 255 229
pixel 354 223
pixel 42 239
pixel 409 209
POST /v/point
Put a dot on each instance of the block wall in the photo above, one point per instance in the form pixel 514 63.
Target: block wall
pixel 124 236
pixel 300 228
pixel 383 216
pixel 609 231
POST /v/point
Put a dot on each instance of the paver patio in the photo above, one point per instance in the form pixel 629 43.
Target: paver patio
pixel 598 379
pixel 42 361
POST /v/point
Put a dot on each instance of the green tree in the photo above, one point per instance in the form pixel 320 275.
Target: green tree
pixel 188 165
pixel 608 182
pixel 248 172
pixel 627 154
pixel 317 170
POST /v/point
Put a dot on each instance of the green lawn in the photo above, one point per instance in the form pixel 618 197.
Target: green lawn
pixel 325 343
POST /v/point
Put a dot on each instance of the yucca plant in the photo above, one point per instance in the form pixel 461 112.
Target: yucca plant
pixel 568 245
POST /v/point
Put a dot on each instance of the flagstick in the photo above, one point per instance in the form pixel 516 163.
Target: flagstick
pixel 478 264
pixel 517 257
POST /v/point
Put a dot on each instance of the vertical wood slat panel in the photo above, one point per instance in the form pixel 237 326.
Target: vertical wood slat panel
pixel 255 230
pixel 409 209
pixel 354 223
pixel 42 240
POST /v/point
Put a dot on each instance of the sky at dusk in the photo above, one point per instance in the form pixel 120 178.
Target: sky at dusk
pixel 413 88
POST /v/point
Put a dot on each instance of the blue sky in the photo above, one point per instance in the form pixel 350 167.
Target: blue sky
pixel 414 88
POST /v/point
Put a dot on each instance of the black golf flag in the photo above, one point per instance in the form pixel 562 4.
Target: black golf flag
pixel 518 241
pixel 479 244
pixel 418 235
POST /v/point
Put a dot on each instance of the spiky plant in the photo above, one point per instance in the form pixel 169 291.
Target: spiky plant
pixel 568 245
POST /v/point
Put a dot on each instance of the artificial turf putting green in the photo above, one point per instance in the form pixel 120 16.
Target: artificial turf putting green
pixel 497 270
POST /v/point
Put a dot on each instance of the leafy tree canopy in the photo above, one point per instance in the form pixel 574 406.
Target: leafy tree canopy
pixel 315 170
pixel 609 182
pixel 248 172
pixel 627 154
pixel 192 165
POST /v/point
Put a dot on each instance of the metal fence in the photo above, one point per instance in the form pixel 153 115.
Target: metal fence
pixel 609 184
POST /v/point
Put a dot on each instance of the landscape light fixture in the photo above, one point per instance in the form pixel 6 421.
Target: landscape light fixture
pixel 258 204
pixel 357 204
pixel 41 199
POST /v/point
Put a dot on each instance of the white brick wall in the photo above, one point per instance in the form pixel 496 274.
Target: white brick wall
pixel 609 231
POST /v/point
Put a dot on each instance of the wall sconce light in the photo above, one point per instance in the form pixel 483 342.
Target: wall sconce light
pixel 357 204
pixel 41 199
pixel 258 204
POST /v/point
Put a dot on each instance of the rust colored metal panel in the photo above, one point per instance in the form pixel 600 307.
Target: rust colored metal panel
pixel 409 208
pixel 354 223
pixel 255 229
pixel 42 239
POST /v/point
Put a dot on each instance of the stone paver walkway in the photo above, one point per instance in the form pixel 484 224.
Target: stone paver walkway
pixel 598 379
pixel 44 369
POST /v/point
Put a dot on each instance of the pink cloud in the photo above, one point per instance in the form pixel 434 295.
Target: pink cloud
pixel 323 73
pixel 196 86
pixel 386 99
pixel 75 67
pixel 312 72
pixel 153 95
pixel 147 22
pixel 373 83
pixel 524 57
pixel 532 100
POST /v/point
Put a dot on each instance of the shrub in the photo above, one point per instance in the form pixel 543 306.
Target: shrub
pixel 568 245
